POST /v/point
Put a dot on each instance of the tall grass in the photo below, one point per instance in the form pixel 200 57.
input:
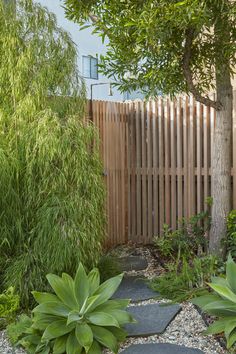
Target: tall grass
pixel 51 190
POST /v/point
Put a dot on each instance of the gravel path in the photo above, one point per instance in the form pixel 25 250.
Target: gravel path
pixel 186 329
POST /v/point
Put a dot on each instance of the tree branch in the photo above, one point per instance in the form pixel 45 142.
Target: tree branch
pixel 188 74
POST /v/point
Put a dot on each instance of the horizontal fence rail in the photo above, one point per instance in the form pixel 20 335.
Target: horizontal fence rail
pixel 157 164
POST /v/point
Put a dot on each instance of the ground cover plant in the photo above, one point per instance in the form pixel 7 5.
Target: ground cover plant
pixel 52 193
pixel 9 305
pixel 221 303
pixel 78 317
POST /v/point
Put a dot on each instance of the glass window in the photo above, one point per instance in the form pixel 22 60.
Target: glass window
pixel 90 67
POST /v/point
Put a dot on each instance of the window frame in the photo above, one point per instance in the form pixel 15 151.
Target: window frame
pixel 91 59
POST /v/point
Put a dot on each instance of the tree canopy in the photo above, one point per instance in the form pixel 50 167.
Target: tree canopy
pixel 167 46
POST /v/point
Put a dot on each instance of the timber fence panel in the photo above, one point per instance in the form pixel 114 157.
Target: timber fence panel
pixel 157 163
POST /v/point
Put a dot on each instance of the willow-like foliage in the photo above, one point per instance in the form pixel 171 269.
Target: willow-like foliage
pixel 51 189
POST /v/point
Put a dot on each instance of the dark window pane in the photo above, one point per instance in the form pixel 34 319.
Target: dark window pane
pixel 94 68
pixel 86 67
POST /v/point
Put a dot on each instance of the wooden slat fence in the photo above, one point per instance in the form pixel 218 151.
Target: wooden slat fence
pixel 157 163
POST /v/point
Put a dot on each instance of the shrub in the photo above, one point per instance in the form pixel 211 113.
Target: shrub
pixel 108 267
pixel 52 192
pixel 222 303
pixel 231 234
pixel 187 240
pixel 185 280
pixel 9 305
pixel 78 318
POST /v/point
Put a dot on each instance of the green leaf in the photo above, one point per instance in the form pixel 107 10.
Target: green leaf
pixel 42 320
pixel 81 286
pixel 63 289
pixel 57 329
pixel 74 316
pixel 230 326
pixel 119 333
pixel 202 301
pixel 123 317
pixel 108 288
pixel 231 340
pixel 231 273
pixel 113 305
pixel 95 348
pixel 84 335
pixel 102 319
pixel 60 345
pixel 72 345
pixel 219 281
pixel 53 308
pixel 90 304
pixel 94 280
pixel 44 297
pixel 217 327
pixel 224 292
pixel 106 338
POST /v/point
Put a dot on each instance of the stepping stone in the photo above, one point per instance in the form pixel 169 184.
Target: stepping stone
pixel 130 263
pixel 160 348
pixel 135 288
pixel 151 319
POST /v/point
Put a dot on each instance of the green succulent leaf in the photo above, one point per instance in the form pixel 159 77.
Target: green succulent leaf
pixel 72 345
pixel 44 297
pixel 60 345
pixel 219 281
pixel 94 280
pixel 74 316
pixel 231 273
pixel 202 301
pixel 217 327
pixel 123 317
pixel 102 319
pixel 81 286
pixel 57 329
pixel 84 335
pixel 119 333
pixel 63 289
pixel 113 305
pixel 41 320
pixel 95 348
pixel 231 340
pixel 230 326
pixel 53 308
pixel 108 288
pixel 105 337
pixel 224 292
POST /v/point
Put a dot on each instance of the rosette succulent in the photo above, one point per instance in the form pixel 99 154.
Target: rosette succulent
pixel 79 317
pixel 222 304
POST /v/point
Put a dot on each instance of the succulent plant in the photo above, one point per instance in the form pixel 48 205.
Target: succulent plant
pixel 222 304
pixel 79 317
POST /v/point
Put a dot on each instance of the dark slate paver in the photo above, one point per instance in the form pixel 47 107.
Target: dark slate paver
pixel 132 263
pixel 161 348
pixel 135 288
pixel 152 319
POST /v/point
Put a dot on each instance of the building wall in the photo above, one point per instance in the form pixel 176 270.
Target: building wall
pixel 87 44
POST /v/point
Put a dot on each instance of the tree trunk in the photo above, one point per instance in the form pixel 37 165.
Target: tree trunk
pixel 221 161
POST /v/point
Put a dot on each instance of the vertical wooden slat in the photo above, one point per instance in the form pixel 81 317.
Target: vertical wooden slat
pixel 149 166
pixel 167 162
pixel 199 122
pixel 161 165
pixel 206 157
pixel 173 164
pixel 185 154
pixel 155 168
pixel 191 157
pixel 179 158
pixel 138 173
pixel 144 161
